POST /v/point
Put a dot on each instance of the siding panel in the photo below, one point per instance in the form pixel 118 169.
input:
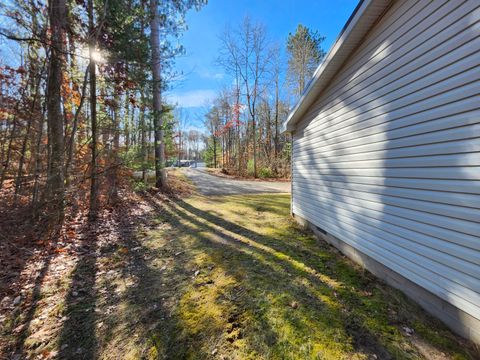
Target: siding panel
pixel 388 157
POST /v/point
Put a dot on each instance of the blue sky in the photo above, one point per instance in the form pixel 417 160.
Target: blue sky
pixel 202 78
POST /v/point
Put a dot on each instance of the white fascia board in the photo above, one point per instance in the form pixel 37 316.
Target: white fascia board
pixel 365 15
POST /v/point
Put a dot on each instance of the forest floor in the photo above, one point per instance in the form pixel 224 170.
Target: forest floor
pixel 223 277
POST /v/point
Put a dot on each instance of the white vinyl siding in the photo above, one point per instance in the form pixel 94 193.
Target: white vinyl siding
pixel 387 159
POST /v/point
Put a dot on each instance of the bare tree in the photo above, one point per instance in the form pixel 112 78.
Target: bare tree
pixel 194 142
pixel 181 121
pixel 246 53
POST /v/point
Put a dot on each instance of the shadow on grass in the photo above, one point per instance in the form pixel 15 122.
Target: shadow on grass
pixel 202 333
pixel 206 285
pixel 345 303
pixel 77 339
pixel 270 275
pixel 152 297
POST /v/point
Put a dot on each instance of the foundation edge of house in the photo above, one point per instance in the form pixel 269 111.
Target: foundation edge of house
pixel 457 320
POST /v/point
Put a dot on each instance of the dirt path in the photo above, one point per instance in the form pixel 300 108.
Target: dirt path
pixel 214 185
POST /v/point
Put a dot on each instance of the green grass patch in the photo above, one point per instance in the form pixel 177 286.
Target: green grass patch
pixel 234 278
pixel 264 288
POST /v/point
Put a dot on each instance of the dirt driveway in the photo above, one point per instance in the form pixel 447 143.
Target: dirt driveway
pixel 214 185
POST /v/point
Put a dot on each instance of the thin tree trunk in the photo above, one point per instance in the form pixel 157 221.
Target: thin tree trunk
pixel 144 152
pixel 160 175
pixel 276 118
pixel 36 170
pixel 9 150
pixel 36 91
pixel 12 136
pixel 214 152
pixel 114 160
pixel 71 143
pixel 237 120
pixel 179 147
pixel 254 147
pixel 127 121
pixel 133 127
pixel 268 135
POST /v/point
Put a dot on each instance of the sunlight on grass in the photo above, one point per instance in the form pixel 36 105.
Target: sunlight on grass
pixel 234 278
pixel 287 295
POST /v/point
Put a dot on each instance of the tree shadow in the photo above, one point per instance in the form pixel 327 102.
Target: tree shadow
pixel 291 280
pixel 152 299
pixel 35 297
pixel 21 321
pixel 232 298
pixel 314 258
pixel 77 339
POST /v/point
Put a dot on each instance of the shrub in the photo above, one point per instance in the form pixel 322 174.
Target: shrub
pixel 265 172
pixel 262 172
pixel 139 186
pixel 250 169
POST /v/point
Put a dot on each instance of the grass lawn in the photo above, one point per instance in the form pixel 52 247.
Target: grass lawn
pixel 235 277
pixel 223 278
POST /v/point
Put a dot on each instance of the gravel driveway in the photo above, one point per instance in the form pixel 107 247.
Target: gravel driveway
pixel 215 185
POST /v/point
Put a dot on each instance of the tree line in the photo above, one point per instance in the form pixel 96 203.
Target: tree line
pixel 244 121
pixel 81 98
pixel 81 103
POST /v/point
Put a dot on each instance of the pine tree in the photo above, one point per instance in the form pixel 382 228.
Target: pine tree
pixel 305 53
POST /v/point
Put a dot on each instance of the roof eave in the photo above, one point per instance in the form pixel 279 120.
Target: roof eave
pixel 362 19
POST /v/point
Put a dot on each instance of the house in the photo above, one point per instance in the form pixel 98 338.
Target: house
pixel 386 151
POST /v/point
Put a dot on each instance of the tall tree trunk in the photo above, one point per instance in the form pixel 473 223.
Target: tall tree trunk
pixel 179 147
pixel 160 175
pixel 36 78
pixel 214 152
pixel 127 121
pixel 114 159
pixel 143 132
pixel 55 178
pixel 237 120
pixel 71 142
pixel 268 135
pixel 37 157
pixel 6 163
pixel 276 117
pixel 13 133
pixel 93 113
pixel 134 127
pixel 254 135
